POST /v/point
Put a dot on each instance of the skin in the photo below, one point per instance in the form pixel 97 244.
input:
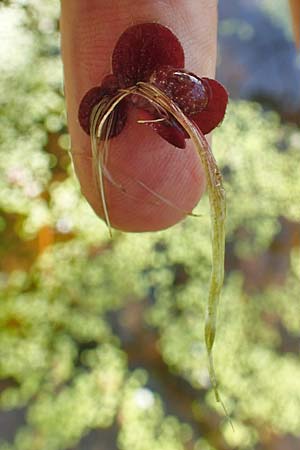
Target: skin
pixel 89 31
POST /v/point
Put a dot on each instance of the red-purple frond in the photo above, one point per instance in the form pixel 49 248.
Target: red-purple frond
pixel 213 114
pixel 170 132
pixel 91 98
pixel 109 87
pixel 143 48
pixel 183 87
pixel 169 129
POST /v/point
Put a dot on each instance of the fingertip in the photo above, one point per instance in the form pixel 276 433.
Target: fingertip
pixel 149 184
pixel 89 32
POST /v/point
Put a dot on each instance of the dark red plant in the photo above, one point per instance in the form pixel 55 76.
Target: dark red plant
pixel 148 74
pixel 150 52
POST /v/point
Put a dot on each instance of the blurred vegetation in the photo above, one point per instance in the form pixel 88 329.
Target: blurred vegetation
pixel 108 335
pixel 279 13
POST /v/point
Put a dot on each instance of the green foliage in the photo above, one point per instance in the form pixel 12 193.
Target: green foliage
pixel 144 426
pixel 96 333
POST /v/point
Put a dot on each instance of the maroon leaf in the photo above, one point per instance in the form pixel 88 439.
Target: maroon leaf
pixel 143 48
pixel 151 52
pixel 170 132
pixel 169 129
pixel 183 87
pixel 91 98
pixel 109 87
pixel 214 112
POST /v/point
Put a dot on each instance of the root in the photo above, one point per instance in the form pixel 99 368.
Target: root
pixel 99 138
pixel 151 121
pixel 217 202
pixel 161 199
pixel 102 118
pixel 100 151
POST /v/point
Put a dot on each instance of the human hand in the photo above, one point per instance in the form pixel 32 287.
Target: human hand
pixel 138 157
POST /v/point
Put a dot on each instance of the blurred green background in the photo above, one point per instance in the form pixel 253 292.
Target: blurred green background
pixel 101 342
